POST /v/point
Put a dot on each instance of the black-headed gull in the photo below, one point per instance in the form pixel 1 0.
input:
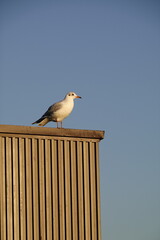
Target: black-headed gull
pixel 58 111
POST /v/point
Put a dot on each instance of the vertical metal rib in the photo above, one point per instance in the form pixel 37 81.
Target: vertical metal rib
pixel 9 189
pixel 74 190
pixel 67 189
pixel 3 206
pixel 93 191
pixel 15 170
pixel 22 189
pixel 28 160
pixel 61 190
pixel 80 190
pixel 86 191
pixel 48 189
pixel 55 189
pixel 42 189
pixel 35 188
pixel 98 191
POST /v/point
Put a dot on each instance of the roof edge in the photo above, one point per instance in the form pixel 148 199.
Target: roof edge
pixel 60 132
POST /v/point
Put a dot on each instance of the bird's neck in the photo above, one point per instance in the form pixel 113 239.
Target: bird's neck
pixel 67 99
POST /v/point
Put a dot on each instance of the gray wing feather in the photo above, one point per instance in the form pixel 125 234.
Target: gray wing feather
pixel 53 108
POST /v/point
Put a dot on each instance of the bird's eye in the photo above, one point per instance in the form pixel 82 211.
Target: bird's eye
pixel 72 94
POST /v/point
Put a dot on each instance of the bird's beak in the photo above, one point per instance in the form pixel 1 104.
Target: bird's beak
pixel 78 97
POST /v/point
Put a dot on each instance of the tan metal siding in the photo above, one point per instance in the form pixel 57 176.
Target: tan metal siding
pixel 49 188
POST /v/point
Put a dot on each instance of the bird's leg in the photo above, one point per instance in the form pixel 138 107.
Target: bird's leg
pixel 61 124
pixel 57 124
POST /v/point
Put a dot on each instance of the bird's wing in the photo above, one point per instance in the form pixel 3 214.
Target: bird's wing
pixel 53 108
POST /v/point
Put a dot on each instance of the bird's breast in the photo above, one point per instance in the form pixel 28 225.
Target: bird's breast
pixel 63 112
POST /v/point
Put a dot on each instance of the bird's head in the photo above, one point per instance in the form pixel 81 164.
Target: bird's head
pixel 72 95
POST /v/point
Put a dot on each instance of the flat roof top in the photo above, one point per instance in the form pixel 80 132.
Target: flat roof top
pixel 59 132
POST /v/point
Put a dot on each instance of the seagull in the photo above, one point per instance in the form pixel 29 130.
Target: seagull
pixel 58 111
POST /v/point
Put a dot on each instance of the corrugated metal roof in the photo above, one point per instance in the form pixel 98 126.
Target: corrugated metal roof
pixel 49 183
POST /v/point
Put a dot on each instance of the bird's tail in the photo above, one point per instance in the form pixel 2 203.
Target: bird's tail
pixel 42 121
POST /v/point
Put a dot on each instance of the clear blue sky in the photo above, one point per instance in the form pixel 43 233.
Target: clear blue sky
pixel 108 52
